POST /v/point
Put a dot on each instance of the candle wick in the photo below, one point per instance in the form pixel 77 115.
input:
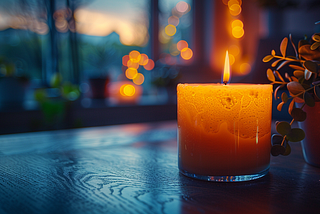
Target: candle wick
pixel 225 82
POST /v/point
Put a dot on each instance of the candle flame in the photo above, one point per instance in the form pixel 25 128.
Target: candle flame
pixel 226 71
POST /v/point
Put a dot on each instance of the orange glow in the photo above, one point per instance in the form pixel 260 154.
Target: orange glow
pixel 125 60
pixel 237 32
pixel 226 70
pixel 235 9
pixel 135 56
pixel 131 73
pixel 138 79
pixel 237 23
pixel 245 68
pixel 127 90
pixel 150 65
pixel 182 7
pixel 234 50
pixel 232 59
pixel 173 20
pixel 186 53
pixel 133 64
pixel 170 30
pixel 144 59
pixel 232 2
pixel 225 2
pixel 181 45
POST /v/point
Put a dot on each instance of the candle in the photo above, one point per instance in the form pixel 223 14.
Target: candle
pixel 224 130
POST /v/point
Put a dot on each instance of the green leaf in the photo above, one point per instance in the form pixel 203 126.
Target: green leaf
pixel 284 97
pixel 40 95
pixel 56 80
pixel 308 99
pixel 298 114
pixel 317 91
pixel 283 128
pixel 296 135
pixel 298 73
pixel 311 66
pixel 267 58
pixel 295 88
pixel 283 46
pixel 270 75
pixel 315 45
pixel 288 149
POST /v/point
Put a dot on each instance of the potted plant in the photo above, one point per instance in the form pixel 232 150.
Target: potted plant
pixel 303 85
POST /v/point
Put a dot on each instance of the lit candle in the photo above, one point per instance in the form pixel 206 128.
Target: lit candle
pixel 224 130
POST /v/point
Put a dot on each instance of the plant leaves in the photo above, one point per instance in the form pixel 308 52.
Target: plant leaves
pixel 315 45
pixel 279 106
pixel 294 47
pixel 288 149
pixel 270 75
pixel 273 53
pixel 296 135
pixel 302 43
pixel 309 54
pixel 290 108
pixel 316 37
pixel 284 97
pixel 279 75
pixel 298 114
pixel 311 66
pixel 283 128
pixel 277 150
pixel 288 77
pixel 296 67
pixel 294 79
pixel 317 91
pixel 298 73
pixel 267 58
pixel 283 46
pixel 295 88
pixel 274 64
pixel 307 74
pixel 276 91
pixel 282 64
pixel 308 99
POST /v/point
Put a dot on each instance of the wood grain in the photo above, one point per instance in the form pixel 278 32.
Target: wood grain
pixel 133 169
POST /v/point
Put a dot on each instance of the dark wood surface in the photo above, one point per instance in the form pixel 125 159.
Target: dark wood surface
pixel 133 169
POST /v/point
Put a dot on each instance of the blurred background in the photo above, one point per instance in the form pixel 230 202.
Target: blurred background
pixel 79 63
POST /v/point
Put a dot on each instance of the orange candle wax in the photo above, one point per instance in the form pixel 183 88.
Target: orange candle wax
pixel 224 131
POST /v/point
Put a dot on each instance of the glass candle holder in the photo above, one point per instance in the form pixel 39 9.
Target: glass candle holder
pixel 224 131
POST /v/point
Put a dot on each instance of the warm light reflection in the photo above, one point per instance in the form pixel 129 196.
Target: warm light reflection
pixel 245 68
pixel 237 23
pixel 127 90
pixel 144 59
pixel 186 53
pixel 150 65
pixel 233 2
pixel 226 70
pixel 170 30
pixel 181 45
pixel 237 32
pixel 235 9
pixel 125 60
pixel 234 50
pixel 133 64
pixel 135 56
pixel 232 59
pixel 131 73
pixel 138 79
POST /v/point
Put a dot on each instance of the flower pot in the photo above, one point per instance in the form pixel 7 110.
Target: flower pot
pixel 311 126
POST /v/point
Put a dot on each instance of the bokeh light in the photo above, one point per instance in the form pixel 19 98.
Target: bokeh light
pixel 138 79
pixel 237 32
pixel 232 2
pixel 131 73
pixel 234 50
pixel 170 30
pixel 245 68
pixel 135 56
pixel 150 65
pixel 173 20
pixel 133 64
pixel 237 23
pixel 125 60
pixel 127 90
pixel 232 59
pixel 144 59
pixel 186 53
pixel 181 45
pixel 235 9
pixel 182 7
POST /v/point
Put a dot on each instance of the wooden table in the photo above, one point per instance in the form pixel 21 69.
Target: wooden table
pixel 133 169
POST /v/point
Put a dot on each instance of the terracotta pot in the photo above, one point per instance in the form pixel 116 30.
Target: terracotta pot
pixel 311 143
